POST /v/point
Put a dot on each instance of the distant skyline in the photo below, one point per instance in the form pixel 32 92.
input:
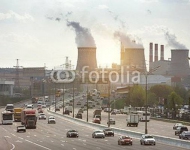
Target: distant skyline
pixel 43 32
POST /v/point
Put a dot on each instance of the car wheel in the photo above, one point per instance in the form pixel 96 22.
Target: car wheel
pixel 154 143
pixel 144 143
pixel 141 142
pixel 118 143
pixel 113 134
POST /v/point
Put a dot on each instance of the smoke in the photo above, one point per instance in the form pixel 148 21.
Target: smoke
pixel 172 41
pixel 126 40
pixel 83 36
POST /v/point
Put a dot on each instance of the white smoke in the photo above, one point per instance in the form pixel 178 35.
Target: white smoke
pixel 172 41
pixel 127 41
pixel 83 36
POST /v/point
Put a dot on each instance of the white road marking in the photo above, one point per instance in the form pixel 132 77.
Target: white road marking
pixel 34 135
pixel 13 134
pixel 62 144
pixel 7 136
pixel 74 148
pixel 20 138
pixel 38 145
pixel 13 146
pixel 51 141
pixel 18 141
pixel 27 136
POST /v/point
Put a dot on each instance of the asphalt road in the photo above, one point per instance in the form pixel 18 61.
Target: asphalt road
pixel 53 137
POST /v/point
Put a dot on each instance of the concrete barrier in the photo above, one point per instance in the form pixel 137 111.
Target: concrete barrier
pixel 137 135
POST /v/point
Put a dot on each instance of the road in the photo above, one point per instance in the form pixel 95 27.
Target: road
pixel 53 137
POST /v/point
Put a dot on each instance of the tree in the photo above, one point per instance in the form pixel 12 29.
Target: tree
pixel 174 100
pixel 137 96
pixel 152 99
pixel 161 90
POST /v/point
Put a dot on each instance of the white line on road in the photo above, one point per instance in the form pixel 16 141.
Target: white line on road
pixel 38 145
pixel 62 144
pixel 13 146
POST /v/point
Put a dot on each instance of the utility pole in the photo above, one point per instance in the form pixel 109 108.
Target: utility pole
pixel 17 82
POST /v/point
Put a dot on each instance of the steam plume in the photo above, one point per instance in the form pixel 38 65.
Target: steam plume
pixel 83 36
pixel 127 41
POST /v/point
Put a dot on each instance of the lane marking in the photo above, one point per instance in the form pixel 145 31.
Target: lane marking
pixel 13 146
pixel 38 145
pixel 62 144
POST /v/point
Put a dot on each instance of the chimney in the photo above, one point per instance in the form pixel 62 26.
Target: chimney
pixel 156 52
pixel 162 52
pixel 151 53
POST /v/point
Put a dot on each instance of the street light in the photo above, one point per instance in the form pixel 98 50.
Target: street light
pixel 146 73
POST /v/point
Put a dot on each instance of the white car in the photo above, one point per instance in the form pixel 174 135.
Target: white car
pixel 42 116
pixel 51 119
pixel 21 128
pixel 97 134
pixel 147 139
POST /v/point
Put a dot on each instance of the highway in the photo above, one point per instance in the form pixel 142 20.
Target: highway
pixel 53 137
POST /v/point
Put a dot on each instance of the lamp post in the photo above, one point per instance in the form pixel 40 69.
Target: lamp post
pixel 146 73
pixel 55 96
pixel 73 96
pixel 109 110
pixel 63 97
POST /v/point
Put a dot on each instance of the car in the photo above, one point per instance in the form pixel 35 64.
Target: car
pixel 123 140
pixel 185 135
pixel 96 120
pixel 44 106
pixel 78 115
pixel 21 128
pixel 78 103
pixel 177 125
pixel 51 119
pixel 147 139
pixel 108 132
pixel 42 116
pixel 80 110
pixel 72 133
pixel 40 110
pixel 180 129
pixel 98 134
pixel 57 109
pixel 67 112
pixel 113 113
pixel 111 121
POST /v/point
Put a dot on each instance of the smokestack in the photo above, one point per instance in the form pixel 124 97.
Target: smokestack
pixel 151 52
pixel 156 52
pixel 162 52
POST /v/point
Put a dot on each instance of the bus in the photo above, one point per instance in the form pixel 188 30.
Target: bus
pixel 7 117
pixel 142 115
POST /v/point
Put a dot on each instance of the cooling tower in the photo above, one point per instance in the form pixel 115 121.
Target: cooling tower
pixel 135 57
pixel 86 57
pixel 179 62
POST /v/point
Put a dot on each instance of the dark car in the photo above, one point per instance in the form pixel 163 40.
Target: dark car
pixel 177 125
pixel 123 140
pixel 72 133
pixel 185 135
pixel 57 109
pixel 108 132
pixel 21 128
pixel 79 115
pixel 67 112
pixel 180 129
pixel 113 113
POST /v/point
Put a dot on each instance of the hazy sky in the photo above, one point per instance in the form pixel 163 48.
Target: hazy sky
pixel 44 32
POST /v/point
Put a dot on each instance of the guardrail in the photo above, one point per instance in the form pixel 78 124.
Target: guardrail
pixel 159 139
pixel 171 120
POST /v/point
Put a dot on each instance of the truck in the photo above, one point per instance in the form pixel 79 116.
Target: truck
pixel 97 113
pixel 133 120
pixel 28 118
pixel 17 114
pixel 9 107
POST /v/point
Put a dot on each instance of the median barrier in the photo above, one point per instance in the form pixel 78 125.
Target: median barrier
pixel 159 139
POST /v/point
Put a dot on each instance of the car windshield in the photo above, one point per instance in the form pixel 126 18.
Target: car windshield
pixel 72 131
pixel 98 131
pixel 178 124
pixel 108 129
pixel 21 127
pixel 125 137
pixel 148 137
